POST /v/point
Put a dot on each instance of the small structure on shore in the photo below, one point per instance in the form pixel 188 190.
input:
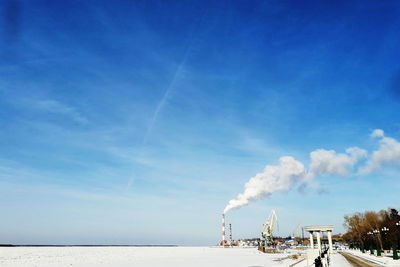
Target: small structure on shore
pixel 315 255
pixel 318 230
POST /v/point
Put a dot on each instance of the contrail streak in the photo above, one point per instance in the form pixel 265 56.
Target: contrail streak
pixel 165 96
pixel 175 78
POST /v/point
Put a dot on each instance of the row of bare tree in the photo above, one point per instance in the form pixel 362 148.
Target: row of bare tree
pixel 373 229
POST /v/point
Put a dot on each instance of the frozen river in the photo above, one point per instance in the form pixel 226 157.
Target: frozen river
pixel 143 256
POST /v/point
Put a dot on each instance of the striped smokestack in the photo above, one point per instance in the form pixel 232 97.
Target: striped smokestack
pixel 223 229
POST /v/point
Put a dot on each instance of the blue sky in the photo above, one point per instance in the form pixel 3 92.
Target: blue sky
pixel 135 122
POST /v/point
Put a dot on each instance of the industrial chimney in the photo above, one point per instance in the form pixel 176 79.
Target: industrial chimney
pixel 223 230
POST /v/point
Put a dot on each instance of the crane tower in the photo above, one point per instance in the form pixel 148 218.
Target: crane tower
pixel 268 229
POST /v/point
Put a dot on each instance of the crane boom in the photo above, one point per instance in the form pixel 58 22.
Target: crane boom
pixel 268 229
pixel 296 231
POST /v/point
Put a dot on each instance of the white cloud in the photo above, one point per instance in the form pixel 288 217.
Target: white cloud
pixel 388 153
pixel 329 162
pixel 377 133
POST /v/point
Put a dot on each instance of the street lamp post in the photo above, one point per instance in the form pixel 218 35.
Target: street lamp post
pixel 384 231
pixel 397 232
pixel 378 249
pixel 370 233
pixel 395 255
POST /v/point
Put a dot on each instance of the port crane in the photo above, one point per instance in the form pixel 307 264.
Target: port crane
pixel 296 232
pixel 268 229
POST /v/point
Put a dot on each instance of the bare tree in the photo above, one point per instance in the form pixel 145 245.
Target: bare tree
pixel 359 227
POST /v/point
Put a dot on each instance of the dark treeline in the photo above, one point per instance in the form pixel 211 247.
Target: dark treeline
pixel 378 230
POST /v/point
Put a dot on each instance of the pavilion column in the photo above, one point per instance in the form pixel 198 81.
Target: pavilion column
pixel 330 241
pixel 319 241
pixel 311 240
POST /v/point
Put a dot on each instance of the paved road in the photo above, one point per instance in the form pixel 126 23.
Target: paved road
pixel 338 260
pixel 357 262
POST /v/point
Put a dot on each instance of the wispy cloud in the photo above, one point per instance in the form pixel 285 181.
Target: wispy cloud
pixel 56 107
pixel 51 106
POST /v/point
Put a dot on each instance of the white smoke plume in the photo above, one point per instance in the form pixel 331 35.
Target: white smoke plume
pixel 274 178
pixel 290 172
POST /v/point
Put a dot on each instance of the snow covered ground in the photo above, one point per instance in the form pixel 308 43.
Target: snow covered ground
pixel 144 256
